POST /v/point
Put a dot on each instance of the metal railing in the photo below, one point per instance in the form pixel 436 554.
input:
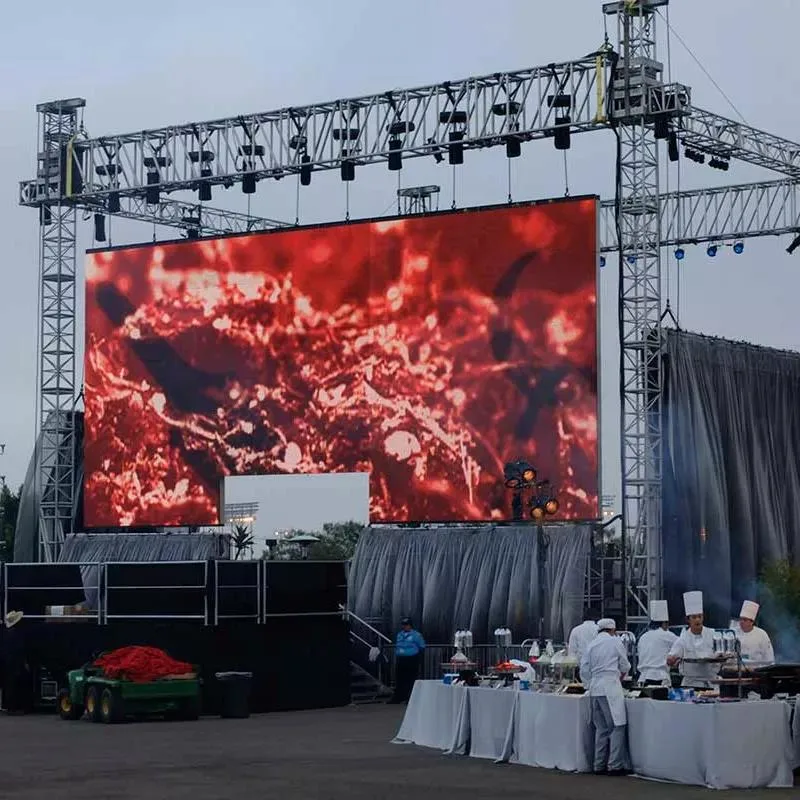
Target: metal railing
pixel 249 594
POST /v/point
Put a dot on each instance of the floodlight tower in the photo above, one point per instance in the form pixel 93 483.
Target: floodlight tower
pixel 59 126
pixel 637 97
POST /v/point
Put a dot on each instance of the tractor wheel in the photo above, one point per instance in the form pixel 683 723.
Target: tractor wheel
pixel 66 708
pixel 110 707
pixel 93 703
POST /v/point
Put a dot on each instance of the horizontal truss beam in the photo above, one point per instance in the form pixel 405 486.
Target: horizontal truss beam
pixel 476 112
pixel 711 133
pixel 726 213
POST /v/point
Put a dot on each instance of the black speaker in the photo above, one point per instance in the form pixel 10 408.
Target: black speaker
pixel 304 587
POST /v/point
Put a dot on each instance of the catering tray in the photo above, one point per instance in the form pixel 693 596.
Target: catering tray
pixel 718 659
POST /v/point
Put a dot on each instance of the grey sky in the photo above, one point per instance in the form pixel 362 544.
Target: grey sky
pixel 150 63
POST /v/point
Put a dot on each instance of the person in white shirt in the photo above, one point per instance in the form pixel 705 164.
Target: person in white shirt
pixel 603 665
pixel 580 637
pixel 654 647
pixel 755 643
pixel 695 642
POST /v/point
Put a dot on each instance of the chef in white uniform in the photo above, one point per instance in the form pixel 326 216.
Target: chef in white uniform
pixel 755 643
pixel 604 663
pixel 654 647
pixel 580 637
pixel 696 641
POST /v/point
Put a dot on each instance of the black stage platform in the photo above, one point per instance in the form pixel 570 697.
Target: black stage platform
pixel 279 620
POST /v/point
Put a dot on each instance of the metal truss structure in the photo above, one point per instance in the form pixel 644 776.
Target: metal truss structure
pixel 133 175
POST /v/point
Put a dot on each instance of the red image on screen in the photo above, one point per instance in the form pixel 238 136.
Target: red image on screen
pixel 427 351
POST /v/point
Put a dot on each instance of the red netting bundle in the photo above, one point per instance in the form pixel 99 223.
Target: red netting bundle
pixel 141 664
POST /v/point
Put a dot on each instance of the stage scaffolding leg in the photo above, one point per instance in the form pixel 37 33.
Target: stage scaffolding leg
pixel 637 75
pixel 58 125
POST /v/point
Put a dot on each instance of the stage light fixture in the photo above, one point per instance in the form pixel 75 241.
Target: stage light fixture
pixel 455 150
pixel 113 203
pixel 348 169
pixel 562 138
pixel 602 261
pixel 537 513
pixel 305 170
pixel 204 192
pixel 395 155
pixel 99 228
pixel 151 193
pixel 794 245
pixel 680 254
pixel 694 155
pixel 551 506
pixel 631 260
pixel 661 126
pixel 718 163
pixel 518 474
pixel 672 147
pixel 513 147
pixel 711 250
pixel 738 248
pixel 529 475
pixel 249 183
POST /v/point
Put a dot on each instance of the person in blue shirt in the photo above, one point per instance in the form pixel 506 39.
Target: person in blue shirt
pixel 409 646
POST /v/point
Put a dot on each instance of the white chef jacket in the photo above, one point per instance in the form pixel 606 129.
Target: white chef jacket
pixel 756 646
pixel 579 638
pixel 687 645
pixel 652 651
pixel 603 664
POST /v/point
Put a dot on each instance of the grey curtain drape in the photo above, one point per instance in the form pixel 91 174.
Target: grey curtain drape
pixel 477 578
pixel 731 501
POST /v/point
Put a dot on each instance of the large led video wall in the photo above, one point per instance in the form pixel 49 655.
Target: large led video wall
pixel 427 351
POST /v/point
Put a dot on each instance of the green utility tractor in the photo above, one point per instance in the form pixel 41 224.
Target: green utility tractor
pixel 112 700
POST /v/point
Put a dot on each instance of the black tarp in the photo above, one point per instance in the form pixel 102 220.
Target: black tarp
pixel 731 501
pixel 477 578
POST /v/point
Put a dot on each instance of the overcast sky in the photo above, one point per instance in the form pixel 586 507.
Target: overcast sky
pixel 152 63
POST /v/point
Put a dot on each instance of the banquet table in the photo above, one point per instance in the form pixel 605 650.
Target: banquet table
pixel 719 745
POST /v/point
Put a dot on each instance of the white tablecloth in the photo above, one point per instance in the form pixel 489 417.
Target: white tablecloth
pixel 436 716
pixel 491 716
pixel 721 745
pixel 552 731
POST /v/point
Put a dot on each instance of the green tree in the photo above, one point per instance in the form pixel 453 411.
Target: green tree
pixel 9 508
pixel 337 542
pixel 242 540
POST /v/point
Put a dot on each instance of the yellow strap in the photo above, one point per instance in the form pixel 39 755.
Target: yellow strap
pixel 600 87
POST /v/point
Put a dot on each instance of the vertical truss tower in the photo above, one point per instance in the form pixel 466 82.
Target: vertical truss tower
pixel 637 79
pixel 58 127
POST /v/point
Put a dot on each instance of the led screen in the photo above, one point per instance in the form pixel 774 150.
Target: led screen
pixel 427 351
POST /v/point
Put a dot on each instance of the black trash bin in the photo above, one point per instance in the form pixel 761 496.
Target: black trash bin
pixel 235 688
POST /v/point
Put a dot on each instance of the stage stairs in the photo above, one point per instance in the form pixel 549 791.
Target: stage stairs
pixel 365 688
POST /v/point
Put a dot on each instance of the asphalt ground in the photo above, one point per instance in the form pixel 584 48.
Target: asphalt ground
pixel 331 754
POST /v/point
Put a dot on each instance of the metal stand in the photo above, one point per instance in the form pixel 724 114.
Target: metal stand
pixel 542 544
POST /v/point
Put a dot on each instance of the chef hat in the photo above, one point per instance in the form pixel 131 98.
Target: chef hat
pixel 659 611
pixel 749 610
pixel 606 625
pixel 693 603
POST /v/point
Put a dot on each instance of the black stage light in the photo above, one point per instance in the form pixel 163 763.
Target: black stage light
pixel 305 170
pixel 395 155
pixel 204 193
pixel 151 194
pixel 99 228
pixel 672 146
pixel 113 203
pixel 790 249
pixel 249 183
pixel 661 126
pixel 513 147
pixel 455 150
pixel 348 169
pixel 561 136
